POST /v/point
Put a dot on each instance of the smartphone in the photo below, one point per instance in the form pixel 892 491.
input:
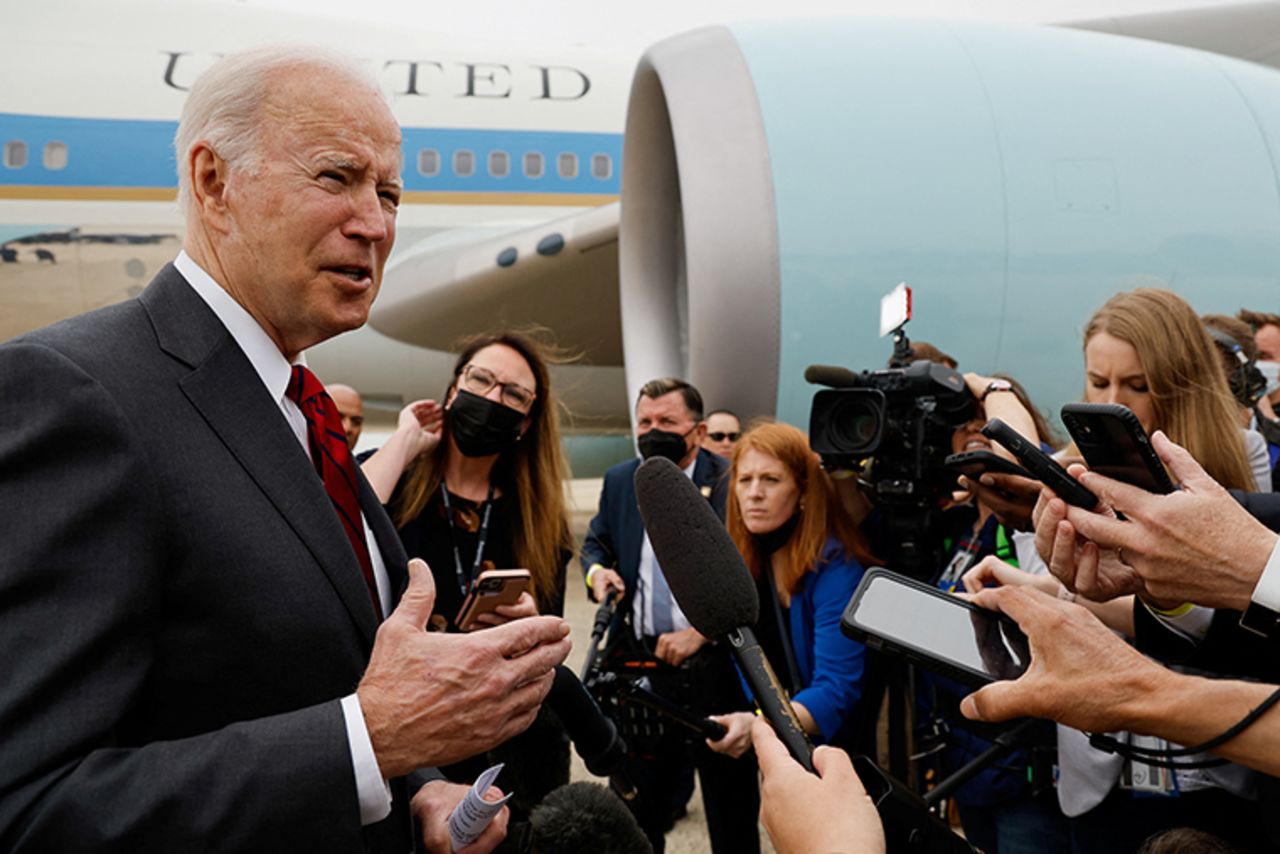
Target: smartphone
pixel 1043 467
pixel 974 464
pixel 1111 440
pixel 492 588
pixel 938 631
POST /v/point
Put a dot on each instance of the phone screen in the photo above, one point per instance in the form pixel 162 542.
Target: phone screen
pixel 933 626
pixel 1114 444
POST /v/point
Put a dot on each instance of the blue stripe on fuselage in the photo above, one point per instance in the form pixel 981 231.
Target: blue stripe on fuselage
pixel 139 153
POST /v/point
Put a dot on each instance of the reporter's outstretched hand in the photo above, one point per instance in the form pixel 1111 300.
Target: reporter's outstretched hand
pixel 1081 674
pixel 432 698
pixel 804 813
pixel 1080 564
pixel 991 571
pixel 737 736
pixel 1010 496
pixel 1196 544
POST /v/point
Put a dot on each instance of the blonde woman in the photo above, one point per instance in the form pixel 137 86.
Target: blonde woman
pixel 1146 349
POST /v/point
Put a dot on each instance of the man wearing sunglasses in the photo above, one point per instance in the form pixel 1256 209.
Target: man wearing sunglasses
pixel 723 430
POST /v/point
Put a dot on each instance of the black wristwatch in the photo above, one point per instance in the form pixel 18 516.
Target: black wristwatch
pixel 1261 620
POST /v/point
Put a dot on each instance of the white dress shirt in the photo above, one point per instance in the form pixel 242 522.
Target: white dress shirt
pixel 642 602
pixel 274 371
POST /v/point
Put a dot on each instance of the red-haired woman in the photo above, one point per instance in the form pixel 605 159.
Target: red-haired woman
pixel 806 557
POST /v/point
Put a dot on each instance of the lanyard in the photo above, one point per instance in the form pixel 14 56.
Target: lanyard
pixel 965 557
pixel 463 581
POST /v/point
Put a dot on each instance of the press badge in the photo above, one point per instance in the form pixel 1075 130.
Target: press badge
pixel 1150 779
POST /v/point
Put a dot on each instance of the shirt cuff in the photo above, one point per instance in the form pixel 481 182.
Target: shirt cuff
pixel 372 791
pixel 1267 591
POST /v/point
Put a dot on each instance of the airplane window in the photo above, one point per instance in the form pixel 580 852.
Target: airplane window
pixel 464 163
pixel 567 165
pixel 533 164
pixel 428 162
pixel 601 167
pixel 499 164
pixel 55 155
pixel 15 154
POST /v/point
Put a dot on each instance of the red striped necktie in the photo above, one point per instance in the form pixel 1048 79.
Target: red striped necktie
pixel 332 459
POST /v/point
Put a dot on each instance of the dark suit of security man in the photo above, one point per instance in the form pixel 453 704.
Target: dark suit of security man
pixel 193 658
pixel 617 555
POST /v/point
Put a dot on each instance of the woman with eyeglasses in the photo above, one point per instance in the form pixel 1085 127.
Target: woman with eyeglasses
pixel 476 483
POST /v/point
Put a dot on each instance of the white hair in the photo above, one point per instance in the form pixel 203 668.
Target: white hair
pixel 223 106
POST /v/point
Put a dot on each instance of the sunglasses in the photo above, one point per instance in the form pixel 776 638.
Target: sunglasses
pixel 720 437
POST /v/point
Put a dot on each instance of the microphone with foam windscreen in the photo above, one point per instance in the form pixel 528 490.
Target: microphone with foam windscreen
pixel 832 376
pixel 711 583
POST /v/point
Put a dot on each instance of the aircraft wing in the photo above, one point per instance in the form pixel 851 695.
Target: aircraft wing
pixel 561 274
pixel 1249 31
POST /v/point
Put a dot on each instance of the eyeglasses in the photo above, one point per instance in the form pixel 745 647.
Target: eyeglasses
pixel 478 380
pixel 720 437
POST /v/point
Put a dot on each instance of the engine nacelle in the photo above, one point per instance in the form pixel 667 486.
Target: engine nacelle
pixel 779 177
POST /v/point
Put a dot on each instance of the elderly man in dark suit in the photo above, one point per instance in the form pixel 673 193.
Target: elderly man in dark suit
pixel 618 557
pixel 193 572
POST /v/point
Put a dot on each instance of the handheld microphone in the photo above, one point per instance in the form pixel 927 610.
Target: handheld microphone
pixel 593 735
pixel 712 585
pixel 832 376
pixel 604 616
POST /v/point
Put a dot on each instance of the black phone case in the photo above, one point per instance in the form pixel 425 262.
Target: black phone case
pixel 974 464
pixel 924 658
pixel 1111 440
pixel 1042 466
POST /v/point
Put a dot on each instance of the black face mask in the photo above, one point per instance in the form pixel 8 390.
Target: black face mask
pixel 481 427
pixel 663 443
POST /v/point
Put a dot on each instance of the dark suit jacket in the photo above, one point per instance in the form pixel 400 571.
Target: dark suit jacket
pixel 616 532
pixel 180 611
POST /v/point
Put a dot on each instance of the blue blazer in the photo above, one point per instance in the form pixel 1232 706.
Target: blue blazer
pixel 830 664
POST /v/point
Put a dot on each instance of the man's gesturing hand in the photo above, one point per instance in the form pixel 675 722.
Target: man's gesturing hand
pixel 434 698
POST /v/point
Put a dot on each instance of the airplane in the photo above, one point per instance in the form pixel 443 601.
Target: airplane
pixel 514 161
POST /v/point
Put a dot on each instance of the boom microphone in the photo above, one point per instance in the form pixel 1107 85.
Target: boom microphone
pixel 712 585
pixel 593 735
pixel 832 376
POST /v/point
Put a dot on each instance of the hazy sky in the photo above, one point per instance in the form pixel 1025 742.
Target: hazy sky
pixel 639 22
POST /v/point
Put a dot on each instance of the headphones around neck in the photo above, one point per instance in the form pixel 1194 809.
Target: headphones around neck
pixel 1245 380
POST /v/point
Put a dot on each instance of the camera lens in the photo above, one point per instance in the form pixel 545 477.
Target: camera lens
pixel 853 424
